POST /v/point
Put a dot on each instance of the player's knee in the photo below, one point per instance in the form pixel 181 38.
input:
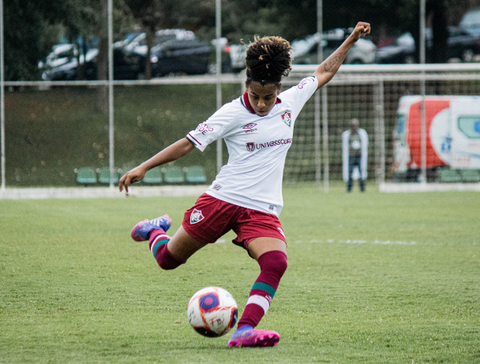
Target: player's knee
pixel 274 261
pixel 282 265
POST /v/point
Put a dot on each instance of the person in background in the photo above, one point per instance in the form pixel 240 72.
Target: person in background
pixel 355 154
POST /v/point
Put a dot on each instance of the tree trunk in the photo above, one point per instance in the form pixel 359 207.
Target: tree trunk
pixel 438 52
pixel 150 35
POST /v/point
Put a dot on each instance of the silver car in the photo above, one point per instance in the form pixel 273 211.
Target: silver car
pixel 305 50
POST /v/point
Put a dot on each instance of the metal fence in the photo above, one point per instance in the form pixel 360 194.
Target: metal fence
pixel 53 129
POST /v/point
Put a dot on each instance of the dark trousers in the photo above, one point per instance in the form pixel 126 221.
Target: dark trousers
pixel 352 163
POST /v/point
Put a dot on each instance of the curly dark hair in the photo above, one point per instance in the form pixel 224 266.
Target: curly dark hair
pixel 268 59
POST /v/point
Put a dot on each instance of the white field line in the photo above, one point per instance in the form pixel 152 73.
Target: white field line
pixel 357 241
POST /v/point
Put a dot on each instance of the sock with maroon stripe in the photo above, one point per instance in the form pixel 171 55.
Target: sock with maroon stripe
pixel 158 246
pixel 273 265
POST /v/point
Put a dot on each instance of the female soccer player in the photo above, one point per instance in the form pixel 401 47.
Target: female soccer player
pixel 246 196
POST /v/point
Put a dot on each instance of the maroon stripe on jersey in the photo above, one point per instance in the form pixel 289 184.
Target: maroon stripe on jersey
pixel 193 139
pixel 246 102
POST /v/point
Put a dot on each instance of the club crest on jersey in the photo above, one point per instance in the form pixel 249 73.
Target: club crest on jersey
pixel 196 216
pixel 287 118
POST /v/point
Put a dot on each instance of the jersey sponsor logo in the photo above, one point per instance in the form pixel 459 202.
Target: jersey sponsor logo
pixel 204 128
pixel 252 146
pixel 287 118
pixel 250 127
pixel 196 216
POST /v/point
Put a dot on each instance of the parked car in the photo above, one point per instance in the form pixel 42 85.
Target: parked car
pixel 66 70
pixel 460 45
pixel 63 61
pixel 471 21
pixel 176 51
pixel 305 50
pixel 238 53
pixel 401 51
pixel 138 43
pixel 226 61
pixel 188 56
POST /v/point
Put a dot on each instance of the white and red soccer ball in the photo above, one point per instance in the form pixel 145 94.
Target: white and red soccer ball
pixel 212 311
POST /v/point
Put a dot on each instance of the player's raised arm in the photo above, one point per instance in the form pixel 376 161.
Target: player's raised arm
pixel 330 66
pixel 169 154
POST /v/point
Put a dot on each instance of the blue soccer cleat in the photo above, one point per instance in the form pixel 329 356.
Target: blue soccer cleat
pixel 142 229
pixel 247 336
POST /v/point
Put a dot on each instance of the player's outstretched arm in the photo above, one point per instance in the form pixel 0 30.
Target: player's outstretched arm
pixel 330 66
pixel 169 154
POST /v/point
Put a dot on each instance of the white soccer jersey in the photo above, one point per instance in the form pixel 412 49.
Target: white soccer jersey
pixel 257 148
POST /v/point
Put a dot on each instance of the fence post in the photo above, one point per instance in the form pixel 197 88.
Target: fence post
pixel 111 135
pixel 379 102
pixel 326 162
pixel 2 99
pixel 218 30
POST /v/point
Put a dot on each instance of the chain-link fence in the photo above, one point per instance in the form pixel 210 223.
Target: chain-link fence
pixel 403 145
pixel 55 132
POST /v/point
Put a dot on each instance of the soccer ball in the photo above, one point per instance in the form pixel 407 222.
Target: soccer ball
pixel 212 311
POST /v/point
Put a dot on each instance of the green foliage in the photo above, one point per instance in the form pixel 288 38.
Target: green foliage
pixel 29 43
pixel 372 278
pixel 50 133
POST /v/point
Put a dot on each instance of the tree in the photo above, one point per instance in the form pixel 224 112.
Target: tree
pixel 26 36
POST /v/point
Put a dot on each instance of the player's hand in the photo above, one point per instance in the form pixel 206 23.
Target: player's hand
pixel 361 30
pixel 132 176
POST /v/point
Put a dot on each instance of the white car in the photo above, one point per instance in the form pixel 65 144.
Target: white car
pixel 305 50
pixel 471 21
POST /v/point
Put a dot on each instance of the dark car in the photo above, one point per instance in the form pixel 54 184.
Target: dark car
pixel 460 45
pixel 188 56
pixel 397 50
pixel 179 52
pixel 175 51
pixel 124 68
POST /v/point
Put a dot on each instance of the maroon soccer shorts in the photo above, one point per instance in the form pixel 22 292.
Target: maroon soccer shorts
pixel 212 218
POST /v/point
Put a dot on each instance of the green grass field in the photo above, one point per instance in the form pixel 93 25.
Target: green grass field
pixel 372 278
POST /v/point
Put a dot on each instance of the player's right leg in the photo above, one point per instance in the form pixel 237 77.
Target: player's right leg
pixel 169 252
pixel 271 255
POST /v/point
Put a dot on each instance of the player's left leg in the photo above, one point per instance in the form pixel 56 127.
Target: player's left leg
pixel 271 254
pixel 351 166
pixel 361 180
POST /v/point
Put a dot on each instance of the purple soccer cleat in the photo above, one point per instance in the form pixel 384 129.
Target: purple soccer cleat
pixel 247 336
pixel 141 230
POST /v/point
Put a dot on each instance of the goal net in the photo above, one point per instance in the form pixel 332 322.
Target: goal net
pixel 423 125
